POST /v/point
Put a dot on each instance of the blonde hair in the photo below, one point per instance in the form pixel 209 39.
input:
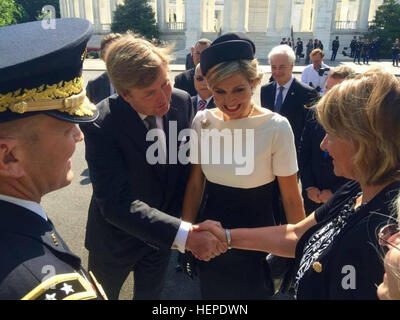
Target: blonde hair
pixel 248 68
pixel 133 62
pixel 366 110
pixel 342 72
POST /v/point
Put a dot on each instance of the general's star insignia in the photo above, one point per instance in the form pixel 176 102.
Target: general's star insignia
pixel 51 296
pixel 67 288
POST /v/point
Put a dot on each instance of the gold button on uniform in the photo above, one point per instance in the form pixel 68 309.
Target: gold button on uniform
pixel 317 266
pixel 53 236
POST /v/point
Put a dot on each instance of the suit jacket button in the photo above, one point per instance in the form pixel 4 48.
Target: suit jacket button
pixel 317 266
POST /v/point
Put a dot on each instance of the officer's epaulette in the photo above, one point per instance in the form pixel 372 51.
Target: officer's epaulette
pixel 70 286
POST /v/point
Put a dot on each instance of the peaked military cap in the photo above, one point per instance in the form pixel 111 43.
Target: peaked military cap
pixel 228 47
pixel 41 71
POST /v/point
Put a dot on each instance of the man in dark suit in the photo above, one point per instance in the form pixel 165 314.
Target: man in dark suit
pixel 318 180
pixel 131 152
pixel 185 80
pixel 100 87
pixel 36 147
pixel 189 64
pixel 203 99
pixel 286 95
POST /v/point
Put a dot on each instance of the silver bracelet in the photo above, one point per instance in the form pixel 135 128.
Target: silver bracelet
pixel 228 237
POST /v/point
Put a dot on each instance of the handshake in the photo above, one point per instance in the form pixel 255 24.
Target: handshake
pixel 207 240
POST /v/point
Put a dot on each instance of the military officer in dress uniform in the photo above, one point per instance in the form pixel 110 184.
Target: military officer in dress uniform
pixel 42 97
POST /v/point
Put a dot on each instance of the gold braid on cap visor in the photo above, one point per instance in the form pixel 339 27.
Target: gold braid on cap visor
pixel 63 96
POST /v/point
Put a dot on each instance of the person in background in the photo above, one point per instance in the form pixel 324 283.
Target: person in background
pixel 395 52
pixel 203 99
pixel 299 49
pixel 357 50
pixel 366 51
pixel 309 48
pixel 315 165
pixel 100 88
pixel 353 46
pixel 316 73
pixel 185 80
pixel 389 239
pixel 335 48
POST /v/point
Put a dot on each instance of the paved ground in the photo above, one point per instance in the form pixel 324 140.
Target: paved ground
pixel 68 207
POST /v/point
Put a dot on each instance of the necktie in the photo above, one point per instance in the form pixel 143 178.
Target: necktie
pixel 279 100
pixel 201 105
pixel 150 122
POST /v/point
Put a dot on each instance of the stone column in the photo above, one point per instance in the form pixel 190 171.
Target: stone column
pixel 324 16
pixel 209 16
pixel 82 12
pixel 307 21
pixel 243 16
pixel 193 19
pixel 162 15
pixel 180 11
pixel 113 6
pixel 272 16
pixel 227 19
pixel 363 13
pixel 62 9
pixel 71 8
pixel 286 28
pixel 96 16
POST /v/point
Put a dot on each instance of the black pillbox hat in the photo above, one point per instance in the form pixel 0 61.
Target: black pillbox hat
pixel 228 47
pixel 41 70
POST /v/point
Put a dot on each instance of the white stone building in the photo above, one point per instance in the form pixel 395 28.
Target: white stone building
pixel 265 21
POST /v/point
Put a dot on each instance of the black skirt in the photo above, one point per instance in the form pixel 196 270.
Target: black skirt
pixel 238 274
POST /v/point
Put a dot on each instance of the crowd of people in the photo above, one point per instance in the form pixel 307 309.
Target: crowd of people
pixel 317 185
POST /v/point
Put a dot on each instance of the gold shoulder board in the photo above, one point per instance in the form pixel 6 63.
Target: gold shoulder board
pixel 70 286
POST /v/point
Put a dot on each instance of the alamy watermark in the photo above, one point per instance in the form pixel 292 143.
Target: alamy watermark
pixel 227 147
pixel 49 17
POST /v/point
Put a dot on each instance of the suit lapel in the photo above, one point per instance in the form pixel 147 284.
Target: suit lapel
pixel 289 98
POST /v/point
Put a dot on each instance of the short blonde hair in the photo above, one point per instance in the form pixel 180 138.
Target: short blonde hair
pixel 342 72
pixel 133 62
pixel 366 109
pixel 221 71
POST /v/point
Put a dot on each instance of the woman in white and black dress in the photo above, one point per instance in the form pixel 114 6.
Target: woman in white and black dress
pixel 239 194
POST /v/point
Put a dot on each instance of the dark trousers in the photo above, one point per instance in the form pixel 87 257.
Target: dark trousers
pixel 236 275
pixel 395 58
pixel 149 266
pixel 357 56
pixel 334 53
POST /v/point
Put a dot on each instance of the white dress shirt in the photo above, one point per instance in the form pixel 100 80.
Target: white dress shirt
pixel 286 87
pixel 30 205
pixel 311 75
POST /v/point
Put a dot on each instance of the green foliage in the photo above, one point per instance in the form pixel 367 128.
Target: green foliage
pixel 10 12
pixel 32 9
pixel 386 25
pixel 137 16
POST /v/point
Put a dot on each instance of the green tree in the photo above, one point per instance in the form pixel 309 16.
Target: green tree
pixel 10 12
pixel 386 25
pixel 32 9
pixel 137 16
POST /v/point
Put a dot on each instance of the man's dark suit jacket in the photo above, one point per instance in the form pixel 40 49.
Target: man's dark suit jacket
pixel 293 109
pixel 189 61
pixel 315 165
pixel 210 104
pixel 98 89
pixel 120 173
pixel 31 252
pixel 185 82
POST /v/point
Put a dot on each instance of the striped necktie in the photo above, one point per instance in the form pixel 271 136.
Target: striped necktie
pixel 201 104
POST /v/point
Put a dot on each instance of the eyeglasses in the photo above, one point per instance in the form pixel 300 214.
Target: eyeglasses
pixel 386 233
pixel 199 78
